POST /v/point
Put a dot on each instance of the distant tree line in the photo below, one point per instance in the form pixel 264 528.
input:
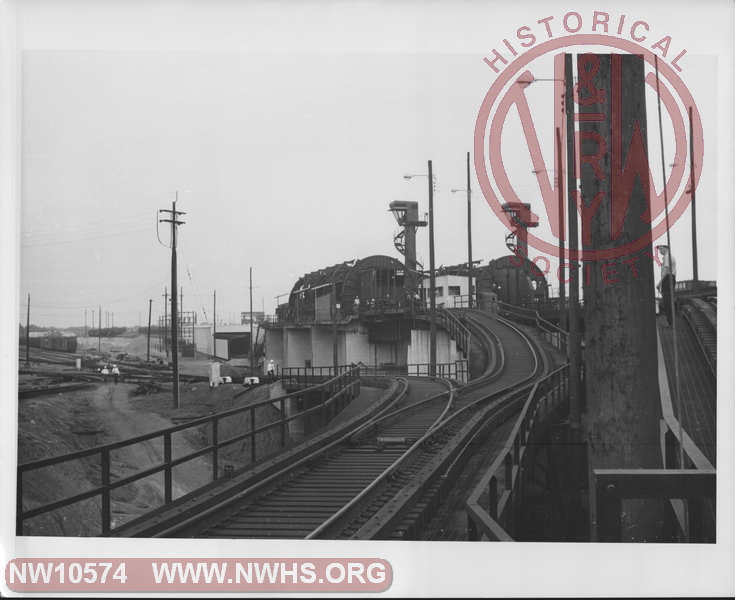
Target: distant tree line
pixel 107 332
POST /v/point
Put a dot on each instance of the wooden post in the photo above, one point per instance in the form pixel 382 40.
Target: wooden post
pixel 692 187
pixel 167 472
pixel 432 280
pixel 573 348
pixel 621 365
pixel 560 189
pixel 105 480
pixel 150 309
pixel 28 331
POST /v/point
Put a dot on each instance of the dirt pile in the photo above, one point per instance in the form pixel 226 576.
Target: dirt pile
pixel 52 426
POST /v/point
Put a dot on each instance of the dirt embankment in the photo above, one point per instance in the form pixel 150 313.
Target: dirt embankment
pixel 52 426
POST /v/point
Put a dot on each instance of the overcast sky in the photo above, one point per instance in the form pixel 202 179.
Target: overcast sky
pixel 285 158
pixel 287 128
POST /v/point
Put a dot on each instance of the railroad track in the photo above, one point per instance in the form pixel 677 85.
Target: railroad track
pixel 374 481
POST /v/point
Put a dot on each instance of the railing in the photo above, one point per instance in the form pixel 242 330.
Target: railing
pixel 493 506
pixel 457 370
pixel 691 285
pixel 553 334
pixel 456 329
pixel 612 486
pixel 306 376
pixel 462 301
pixel 692 478
pixel 334 395
pixel 687 485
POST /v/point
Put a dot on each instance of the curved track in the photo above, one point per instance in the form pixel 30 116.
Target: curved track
pixel 375 477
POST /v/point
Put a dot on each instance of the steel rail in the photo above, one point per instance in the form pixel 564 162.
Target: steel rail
pixel 387 472
pixel 348 439
pixel 468 419
pixel 494 367
pixel 392 510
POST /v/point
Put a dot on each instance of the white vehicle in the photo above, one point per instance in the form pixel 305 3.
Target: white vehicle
pixel 251 381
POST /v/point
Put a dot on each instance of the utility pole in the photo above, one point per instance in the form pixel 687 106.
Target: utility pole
pixel 252 353
pixel 181 311
pixel 573 347
pixel 560 187
pixel 150 309
pixel 214 326
pixel 85 323
pixel 99 329
pixel 335 355
pixel 165 320
pixel 694 207
pixel 432 280
pixel 28 331
pixel 469 235
pixel 174 312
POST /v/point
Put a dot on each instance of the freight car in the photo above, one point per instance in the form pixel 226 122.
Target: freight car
pixel 57 343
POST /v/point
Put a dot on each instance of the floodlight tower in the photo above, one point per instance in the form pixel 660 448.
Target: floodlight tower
pixel 522 218
pixel 407 216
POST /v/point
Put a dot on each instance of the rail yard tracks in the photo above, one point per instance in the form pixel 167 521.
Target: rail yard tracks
pixel 379 480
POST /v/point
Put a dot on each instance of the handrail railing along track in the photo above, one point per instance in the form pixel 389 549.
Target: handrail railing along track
pixel 332 391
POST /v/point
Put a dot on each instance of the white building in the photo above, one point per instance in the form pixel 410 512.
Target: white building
pixel 450 290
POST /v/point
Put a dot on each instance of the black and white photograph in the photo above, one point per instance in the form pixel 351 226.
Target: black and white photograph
pixel 380 282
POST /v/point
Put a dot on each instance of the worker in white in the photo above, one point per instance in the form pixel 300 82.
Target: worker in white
pixel 271 369
pixel 115 372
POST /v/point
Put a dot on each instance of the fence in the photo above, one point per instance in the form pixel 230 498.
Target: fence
pixel 306 376
pixel 457 370
pixel 334 394
pixel 456 329
pixel 493 506
pixel 553 334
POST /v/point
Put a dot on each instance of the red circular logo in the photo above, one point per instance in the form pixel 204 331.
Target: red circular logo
pixel 506 93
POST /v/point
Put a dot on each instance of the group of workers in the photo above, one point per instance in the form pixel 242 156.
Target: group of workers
pixel 108 370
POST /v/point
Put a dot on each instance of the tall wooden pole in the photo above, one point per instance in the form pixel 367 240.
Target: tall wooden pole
pixel 99 329
pixel 622 427
pixel 469 235
pixel 181 312
pixel 252 345
pixel 165 320
pixel 150 310
pixel 692 187
pixel 335 355
pixel 214 326
pixel 562 227
pixel 432 280
pixel 28 330
pixel 573 346
pixel 174 304
pixel 174 309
